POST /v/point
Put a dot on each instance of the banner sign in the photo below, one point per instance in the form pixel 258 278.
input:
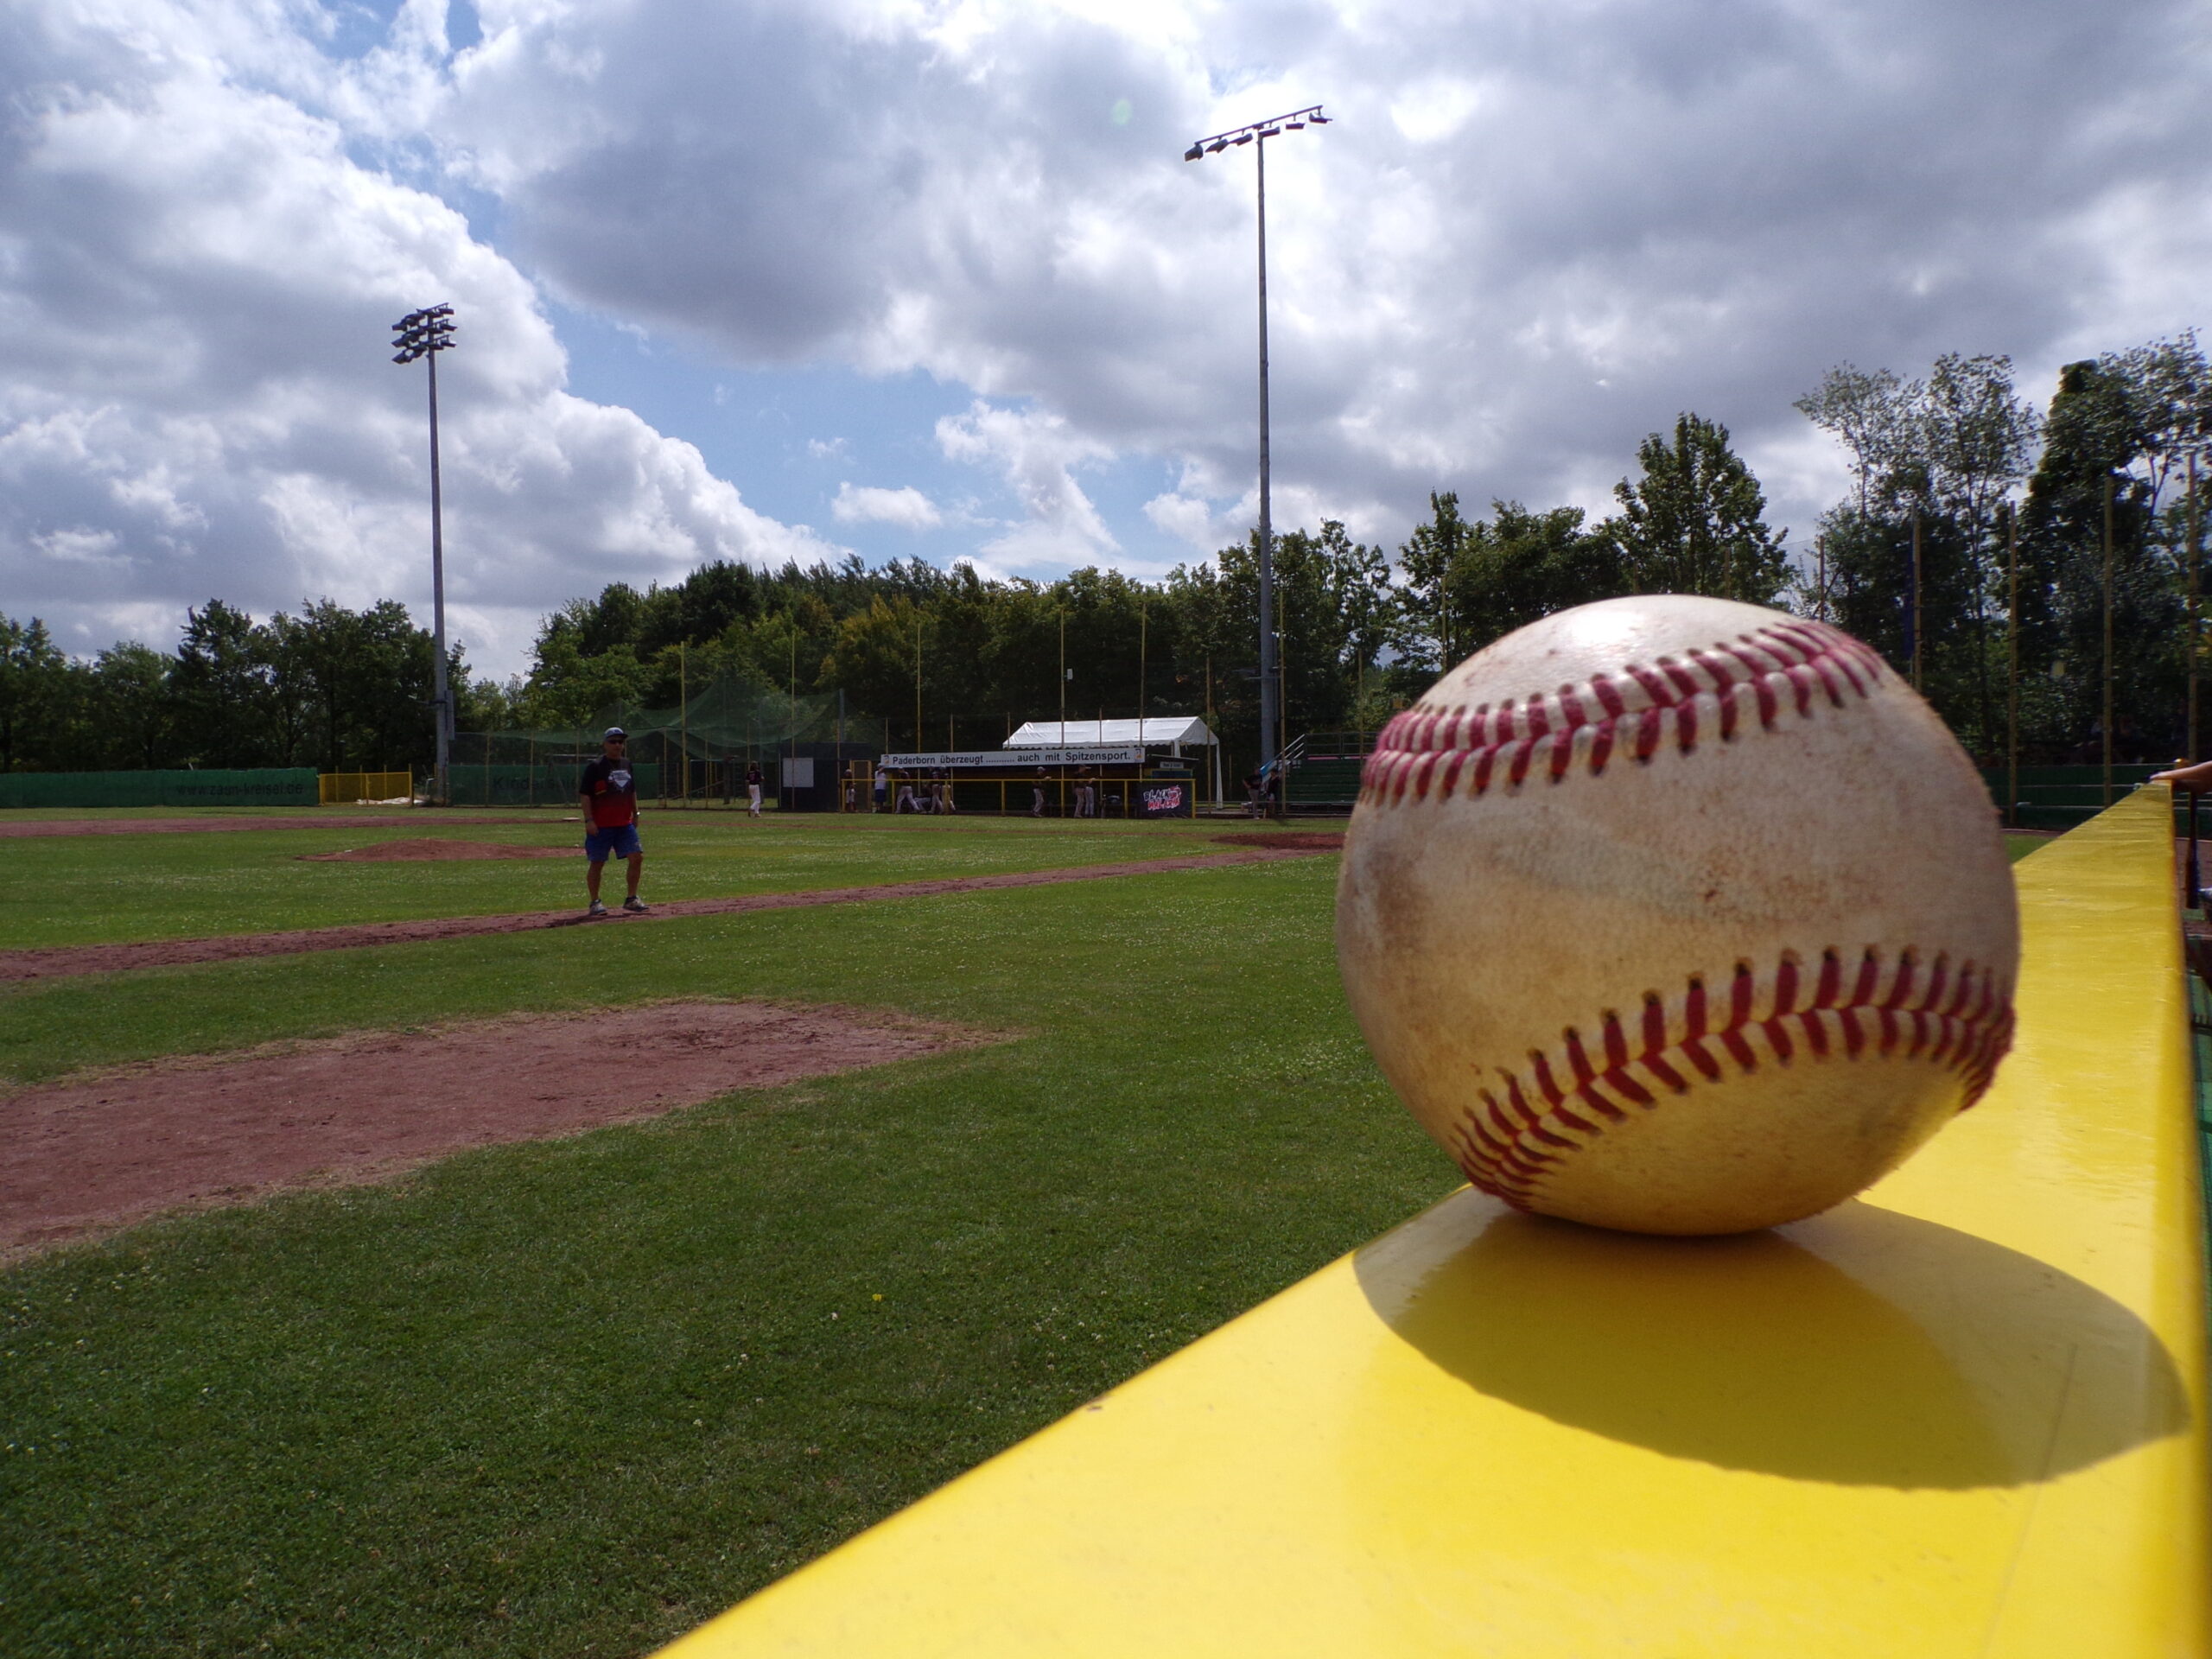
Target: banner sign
pixel 1165 800
pixel 1015 759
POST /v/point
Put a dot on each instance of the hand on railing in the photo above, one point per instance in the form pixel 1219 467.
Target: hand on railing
pixel 2195 778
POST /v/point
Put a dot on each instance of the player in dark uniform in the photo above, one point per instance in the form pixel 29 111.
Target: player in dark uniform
pixel 610 797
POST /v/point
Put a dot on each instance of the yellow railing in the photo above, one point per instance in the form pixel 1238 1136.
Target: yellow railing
pixel 1964 1414
pixel 334 788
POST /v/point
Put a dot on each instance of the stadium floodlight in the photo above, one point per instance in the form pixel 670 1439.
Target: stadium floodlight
pixel 1270 676
pixel 423 335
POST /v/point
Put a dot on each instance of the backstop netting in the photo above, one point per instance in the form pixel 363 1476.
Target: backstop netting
pixel 698 751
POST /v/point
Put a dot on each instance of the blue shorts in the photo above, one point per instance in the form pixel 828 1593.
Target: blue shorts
pixel 620 841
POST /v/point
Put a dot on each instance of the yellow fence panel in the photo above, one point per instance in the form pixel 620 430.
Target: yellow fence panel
pixel 1964 1414
pixel 336 788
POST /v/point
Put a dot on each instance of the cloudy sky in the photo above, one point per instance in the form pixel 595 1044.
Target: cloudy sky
pixel 931 278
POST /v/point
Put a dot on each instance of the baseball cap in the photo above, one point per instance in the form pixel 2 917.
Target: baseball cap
pixel 612 732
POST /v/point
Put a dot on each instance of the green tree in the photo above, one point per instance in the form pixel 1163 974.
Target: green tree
pixel 1694 522
pixel 875 655
pixel 2093 436
pixel 2169 388
pixel 1429 638
pixel 31 669
pixel 133 699
pixel 223 688
pixel 1933 457
pixel 1518 566
pixel 1871 415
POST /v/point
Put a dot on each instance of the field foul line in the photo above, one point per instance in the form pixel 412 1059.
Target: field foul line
pixel 53 961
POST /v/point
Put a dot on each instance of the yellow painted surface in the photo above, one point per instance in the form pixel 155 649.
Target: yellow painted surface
pixel 1963 1416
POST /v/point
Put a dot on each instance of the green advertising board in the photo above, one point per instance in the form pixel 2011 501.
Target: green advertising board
pixel 256 786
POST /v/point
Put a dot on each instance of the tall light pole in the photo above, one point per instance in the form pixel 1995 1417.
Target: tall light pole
pixel 424 334
pixel 1258 133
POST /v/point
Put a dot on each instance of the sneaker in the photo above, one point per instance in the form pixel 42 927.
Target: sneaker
pixel 635 905
pixel 597 909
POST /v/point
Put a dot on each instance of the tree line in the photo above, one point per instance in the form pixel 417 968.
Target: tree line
pixel 337 690
pixel 1967 511
pixel 944 656
pixel 1977 529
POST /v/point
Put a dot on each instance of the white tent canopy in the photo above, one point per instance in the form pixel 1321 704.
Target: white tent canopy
pixel 1155 731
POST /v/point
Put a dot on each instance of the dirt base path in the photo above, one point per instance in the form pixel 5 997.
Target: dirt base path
pixel 57 961
pixel 185 826
pixel 431 849
pixel 84 1157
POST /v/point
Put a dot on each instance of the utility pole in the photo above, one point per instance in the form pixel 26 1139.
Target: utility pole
pixel 423 335
pixel 2108 722
pixel 917 685
pixel 1915 600
pixel 1140 652
pixel 1060 789
pixel 2012 663
pixel 1212 737
pixel 2194 596
pixel 1259 132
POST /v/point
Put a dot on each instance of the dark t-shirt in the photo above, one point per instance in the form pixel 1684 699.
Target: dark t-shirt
pixel 614 791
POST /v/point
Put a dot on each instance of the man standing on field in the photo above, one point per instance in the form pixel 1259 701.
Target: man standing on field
pixel 609 790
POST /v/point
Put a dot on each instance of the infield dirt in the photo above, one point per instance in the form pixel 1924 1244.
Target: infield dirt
pixel 88 1156
pixel 48 961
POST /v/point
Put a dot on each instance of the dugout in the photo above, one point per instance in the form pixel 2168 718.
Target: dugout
pixel 1169 742
pixel 1105 781
pixel 1053 791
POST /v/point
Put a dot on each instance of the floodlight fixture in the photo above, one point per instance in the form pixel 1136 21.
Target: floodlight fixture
pixel 421 335
pixel 1270 674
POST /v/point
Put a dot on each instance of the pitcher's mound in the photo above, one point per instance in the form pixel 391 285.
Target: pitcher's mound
pixel 1292 841
pixel 85 1158
pixel 418 849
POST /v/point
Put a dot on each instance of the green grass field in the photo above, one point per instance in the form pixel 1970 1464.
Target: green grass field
pixel 105 889
pixel 574 1397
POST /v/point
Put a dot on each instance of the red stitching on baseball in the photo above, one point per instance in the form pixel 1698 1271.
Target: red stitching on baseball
pixel 1953 1016
pixel 1632 707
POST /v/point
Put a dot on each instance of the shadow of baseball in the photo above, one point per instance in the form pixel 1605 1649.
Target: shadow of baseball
pixel 1862 1346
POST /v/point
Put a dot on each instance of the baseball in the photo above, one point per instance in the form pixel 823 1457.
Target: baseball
pixel 1677 915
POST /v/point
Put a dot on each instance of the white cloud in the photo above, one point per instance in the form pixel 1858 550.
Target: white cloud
pixel 1036 453
pixel 1434 107
pixel 1188 518
pixel 195 294
pixel 1532 236
pixel 907 507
